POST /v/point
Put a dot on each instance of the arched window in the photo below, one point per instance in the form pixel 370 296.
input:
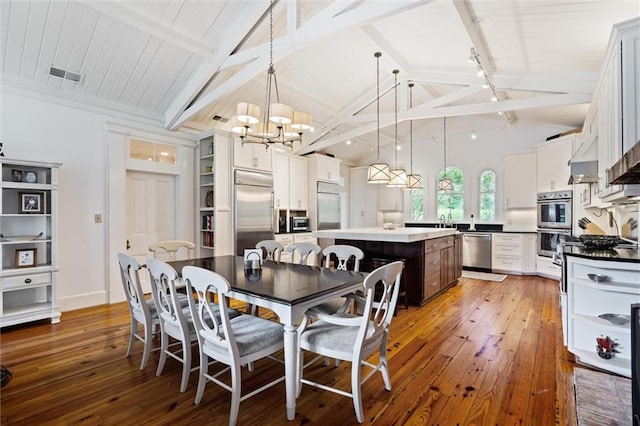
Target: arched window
pixel 450 203
pixel 487 196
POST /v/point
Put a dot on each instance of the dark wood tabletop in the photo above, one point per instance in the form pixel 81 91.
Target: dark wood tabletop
pixel 285 282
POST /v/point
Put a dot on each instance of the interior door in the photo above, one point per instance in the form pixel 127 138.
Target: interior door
pixel 151 212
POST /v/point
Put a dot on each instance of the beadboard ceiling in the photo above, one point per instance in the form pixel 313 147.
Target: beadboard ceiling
pixel 182 63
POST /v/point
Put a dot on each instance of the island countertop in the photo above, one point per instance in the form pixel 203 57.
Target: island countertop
pixel 398 235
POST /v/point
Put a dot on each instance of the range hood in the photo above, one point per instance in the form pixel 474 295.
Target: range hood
pixel 584 172
pixel 627 169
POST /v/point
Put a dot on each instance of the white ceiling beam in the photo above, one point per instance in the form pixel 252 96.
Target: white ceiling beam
pixel 424 111
pixel 244 21
pixel 323 24
pixel 122 12
pixel 477 39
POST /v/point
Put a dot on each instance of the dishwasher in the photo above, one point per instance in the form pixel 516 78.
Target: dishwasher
pixel 476 251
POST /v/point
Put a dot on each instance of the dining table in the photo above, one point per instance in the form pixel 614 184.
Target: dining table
pixel 288 290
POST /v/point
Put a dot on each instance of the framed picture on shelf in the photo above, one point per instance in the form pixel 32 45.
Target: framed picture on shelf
pixel 31 202
pixel 29 176
pixel 16 175
pixel 26 258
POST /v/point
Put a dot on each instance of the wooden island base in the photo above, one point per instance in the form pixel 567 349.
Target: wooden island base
pixel 431 266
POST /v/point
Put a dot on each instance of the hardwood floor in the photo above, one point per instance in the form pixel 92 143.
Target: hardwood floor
pixel 482 353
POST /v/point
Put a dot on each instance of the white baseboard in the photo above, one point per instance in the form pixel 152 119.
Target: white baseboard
pixel 82 301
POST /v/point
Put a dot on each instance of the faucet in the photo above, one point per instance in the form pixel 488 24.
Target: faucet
pixel 450 218
pixel 442 220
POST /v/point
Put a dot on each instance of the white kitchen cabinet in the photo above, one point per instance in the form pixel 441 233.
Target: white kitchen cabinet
pixel 390 199
pixel 251 156
pixel 28 216
pixel 520 182
pixel 362 197
pixel 587 299
pixel 546 268
pixel 214 196
pixel 506 253
pixel 618 106
pixel 327 169
pixel 290 183
pixel 552 164
pixel 287 239
pixel 529 253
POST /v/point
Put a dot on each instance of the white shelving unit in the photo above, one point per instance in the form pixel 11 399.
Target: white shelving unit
pixel 28 226
pixel 588 299
pixel 206 208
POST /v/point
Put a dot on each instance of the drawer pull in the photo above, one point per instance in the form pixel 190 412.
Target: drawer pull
pixel 598 278
pixel 27 281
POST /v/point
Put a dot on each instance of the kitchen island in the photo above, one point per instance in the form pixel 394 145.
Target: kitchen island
pixel 432 256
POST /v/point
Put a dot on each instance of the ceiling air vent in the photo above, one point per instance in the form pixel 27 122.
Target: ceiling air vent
pixel 219 118
pixel 67 75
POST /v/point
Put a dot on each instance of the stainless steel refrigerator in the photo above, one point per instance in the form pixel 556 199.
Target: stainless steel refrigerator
pixel 328 206
pixel 253 204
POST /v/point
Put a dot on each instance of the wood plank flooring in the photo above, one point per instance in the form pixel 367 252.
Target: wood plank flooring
pixel 482 353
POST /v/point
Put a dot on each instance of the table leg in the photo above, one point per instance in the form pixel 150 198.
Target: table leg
pixel 291 368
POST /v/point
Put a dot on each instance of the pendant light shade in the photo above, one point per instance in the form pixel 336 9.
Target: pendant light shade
pixel 413 181
pixel 249 113
pixel 398 177
pixel 378 172
pixel 445 185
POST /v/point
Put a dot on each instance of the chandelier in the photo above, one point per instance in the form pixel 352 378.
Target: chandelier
pixel 279 124
pixel 398 176
pixel 378 172
pixel 413 181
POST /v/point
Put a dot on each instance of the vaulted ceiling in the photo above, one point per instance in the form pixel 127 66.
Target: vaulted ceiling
pixel 185 64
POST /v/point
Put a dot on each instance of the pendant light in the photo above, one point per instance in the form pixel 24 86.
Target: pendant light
pixel 378 172
pixel 445 184
pixel 413 181
pixel 398 177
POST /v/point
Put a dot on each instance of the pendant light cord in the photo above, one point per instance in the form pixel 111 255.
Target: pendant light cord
pixel 395 75
pixel 411 130
pixel 445 147
pixel 377 55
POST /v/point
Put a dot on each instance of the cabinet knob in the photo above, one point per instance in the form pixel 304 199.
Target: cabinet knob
pixel 27 281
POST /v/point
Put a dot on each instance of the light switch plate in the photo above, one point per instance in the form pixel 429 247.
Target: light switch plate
pixel 97 218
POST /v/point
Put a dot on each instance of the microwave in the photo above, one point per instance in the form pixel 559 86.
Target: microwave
pixel 299 224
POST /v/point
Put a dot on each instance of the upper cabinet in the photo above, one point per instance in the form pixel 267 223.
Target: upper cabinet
pixel 327 169
pixel 290 182
pixel 552 164
pixel 251 156
pixel 613 119
pixel 390 199
pixel 520 181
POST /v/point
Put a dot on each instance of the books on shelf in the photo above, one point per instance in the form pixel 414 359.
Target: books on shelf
pixel 207 222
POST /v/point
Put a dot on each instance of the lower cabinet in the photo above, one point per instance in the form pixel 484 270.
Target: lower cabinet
pixel 597 288
pixel 440 267
pixel 513 253
pixel 286 239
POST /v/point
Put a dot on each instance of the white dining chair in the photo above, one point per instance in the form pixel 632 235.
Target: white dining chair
pixel 170 250
pixel 175 318
pixel 231 341
pixel 353 337
pixel 143 312
pixel 272 249
pixel 305 252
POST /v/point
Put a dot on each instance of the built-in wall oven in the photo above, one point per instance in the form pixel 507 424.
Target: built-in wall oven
pixel 554 210
pixel 554 220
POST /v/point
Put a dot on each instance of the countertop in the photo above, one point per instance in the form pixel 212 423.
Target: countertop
pixel 398 235
pixel 616 254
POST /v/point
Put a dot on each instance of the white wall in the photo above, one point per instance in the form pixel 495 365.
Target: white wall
pixel 36 128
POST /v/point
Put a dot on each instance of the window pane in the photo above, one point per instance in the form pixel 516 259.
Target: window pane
pixel 450 204
pixel 140 150
pixel 417 204
pixel 487 196
pixel 165 154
